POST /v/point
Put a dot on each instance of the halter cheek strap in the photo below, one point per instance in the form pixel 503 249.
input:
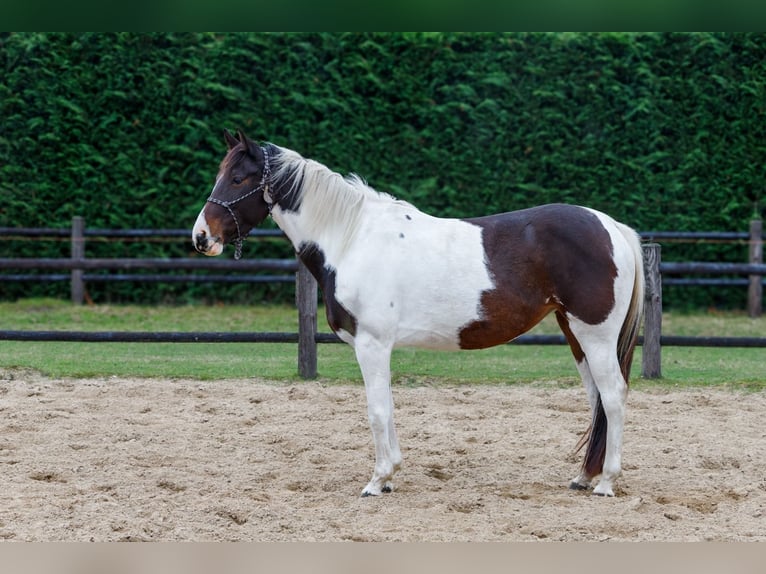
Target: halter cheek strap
pixel 262 186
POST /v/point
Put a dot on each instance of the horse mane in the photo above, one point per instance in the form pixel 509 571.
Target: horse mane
pixel 335 202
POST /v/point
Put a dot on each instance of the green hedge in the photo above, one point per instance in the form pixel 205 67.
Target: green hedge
pixel 663 131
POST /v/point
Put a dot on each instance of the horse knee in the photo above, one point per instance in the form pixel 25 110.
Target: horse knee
pixel 378 418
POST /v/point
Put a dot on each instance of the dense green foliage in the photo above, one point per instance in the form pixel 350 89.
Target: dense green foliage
pixel 663 131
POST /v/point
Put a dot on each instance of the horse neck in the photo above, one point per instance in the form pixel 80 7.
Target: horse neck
pixel 323 209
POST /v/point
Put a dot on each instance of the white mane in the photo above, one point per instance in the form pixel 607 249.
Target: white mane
pixel 334 203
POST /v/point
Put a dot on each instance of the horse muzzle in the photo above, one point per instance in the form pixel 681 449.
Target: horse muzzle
pixel 204 241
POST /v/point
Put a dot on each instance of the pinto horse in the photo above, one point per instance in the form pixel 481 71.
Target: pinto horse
pixel 392 276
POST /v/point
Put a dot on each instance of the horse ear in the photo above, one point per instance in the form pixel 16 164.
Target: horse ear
pixel 253 149
pixel 231 141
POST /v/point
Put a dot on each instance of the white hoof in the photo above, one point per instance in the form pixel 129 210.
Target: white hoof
pixel 373 490
pixel 603 490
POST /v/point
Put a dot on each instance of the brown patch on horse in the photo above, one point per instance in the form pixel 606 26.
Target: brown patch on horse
pixel 220 222
pixel 543 258
pixel 574 344
pixel 338 316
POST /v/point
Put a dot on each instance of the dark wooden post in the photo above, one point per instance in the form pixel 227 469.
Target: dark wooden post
pixel 306 301
pixel 755 287
pixel 651 357
pixel 77 286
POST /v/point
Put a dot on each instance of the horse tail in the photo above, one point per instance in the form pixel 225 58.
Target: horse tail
pixel 626 344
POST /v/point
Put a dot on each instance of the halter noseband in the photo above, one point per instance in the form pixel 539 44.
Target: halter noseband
pixel 262 186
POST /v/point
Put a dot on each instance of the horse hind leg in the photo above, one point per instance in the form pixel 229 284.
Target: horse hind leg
pixel 583 480
pixel 604 451
pixel 613 394
pixel 606 388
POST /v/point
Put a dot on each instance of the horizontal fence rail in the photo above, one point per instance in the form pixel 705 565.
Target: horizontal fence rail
pixel 198 264
pixel 42 232
pixel 226 270
pixel 150 337
pixel 324 338
pixel 175 264
pixel 694 267
pixel 78 264
pixel 656 236
pixel 158 278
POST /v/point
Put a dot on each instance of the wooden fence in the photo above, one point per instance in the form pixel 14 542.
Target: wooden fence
pixel 306 290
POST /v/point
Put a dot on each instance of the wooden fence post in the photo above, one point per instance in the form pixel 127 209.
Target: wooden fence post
pixel 77 286
pixel 755 287
pixel 306 301
pixel 651 357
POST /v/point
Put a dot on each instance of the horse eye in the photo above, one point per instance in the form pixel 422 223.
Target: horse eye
pixel 237 179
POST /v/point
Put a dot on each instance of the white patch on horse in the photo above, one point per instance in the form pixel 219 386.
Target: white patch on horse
pixel 202 237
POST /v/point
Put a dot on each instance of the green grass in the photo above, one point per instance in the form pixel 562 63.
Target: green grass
pixel 736 368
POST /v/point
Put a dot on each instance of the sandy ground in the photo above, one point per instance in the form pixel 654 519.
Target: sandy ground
pixel 126 459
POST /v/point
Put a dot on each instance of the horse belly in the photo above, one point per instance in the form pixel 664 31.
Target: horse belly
pixel 502 326
pixel 436 324
pixel 422 292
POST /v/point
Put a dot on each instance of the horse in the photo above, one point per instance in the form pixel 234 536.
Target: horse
pixel 392 275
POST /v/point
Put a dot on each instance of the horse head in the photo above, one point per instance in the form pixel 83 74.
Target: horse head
pixel 237 203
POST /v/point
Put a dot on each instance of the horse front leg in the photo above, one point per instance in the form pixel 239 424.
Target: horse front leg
pixel 374 359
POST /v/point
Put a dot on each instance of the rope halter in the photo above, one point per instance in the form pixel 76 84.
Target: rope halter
pixel 262 186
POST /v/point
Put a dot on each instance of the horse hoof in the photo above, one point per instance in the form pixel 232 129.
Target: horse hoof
pixel 577 486
pixel 601 491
